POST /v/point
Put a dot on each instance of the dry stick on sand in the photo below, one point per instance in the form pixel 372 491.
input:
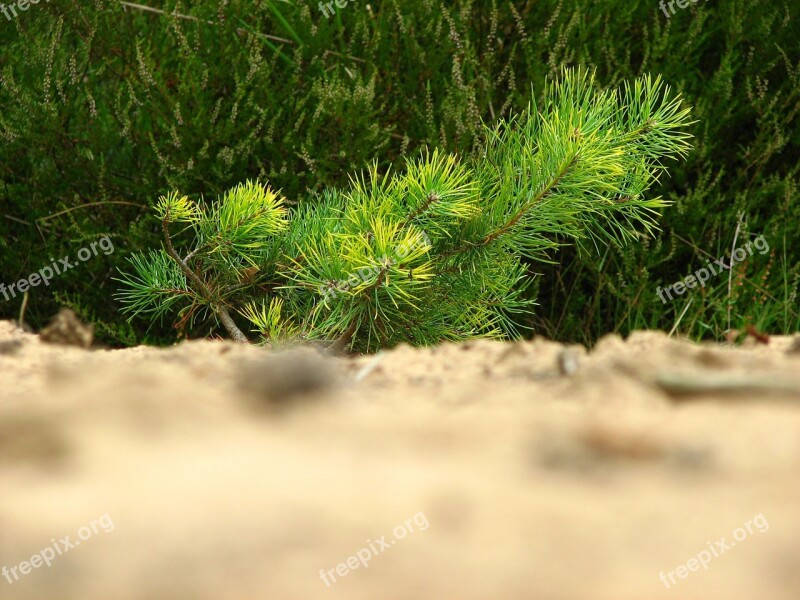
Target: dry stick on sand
pixel 689 384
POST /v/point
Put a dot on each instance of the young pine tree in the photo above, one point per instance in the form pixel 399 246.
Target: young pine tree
pixel 433 253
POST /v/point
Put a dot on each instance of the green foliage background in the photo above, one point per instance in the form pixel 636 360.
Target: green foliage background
pixel 104 108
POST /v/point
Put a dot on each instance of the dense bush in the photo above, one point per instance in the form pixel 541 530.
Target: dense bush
pixel 738 64
pixel 431 254
pixel 104 108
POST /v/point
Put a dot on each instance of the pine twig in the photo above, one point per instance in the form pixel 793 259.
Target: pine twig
pixel 219 309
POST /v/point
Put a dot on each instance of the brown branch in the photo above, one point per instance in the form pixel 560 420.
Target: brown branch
pixel 339 345
pixel 219 309
pixel 488 239
pixel 526 207
pixel 425 205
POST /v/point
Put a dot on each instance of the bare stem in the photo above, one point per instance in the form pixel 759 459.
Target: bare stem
pixel 340 344
pixel 219 309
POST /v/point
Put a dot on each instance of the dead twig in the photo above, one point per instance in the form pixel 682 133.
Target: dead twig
pixel 158 11
pixel 690 384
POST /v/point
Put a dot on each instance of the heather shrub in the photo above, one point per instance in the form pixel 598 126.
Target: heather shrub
pixel 105 107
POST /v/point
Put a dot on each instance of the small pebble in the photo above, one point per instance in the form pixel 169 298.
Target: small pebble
pixel 567 361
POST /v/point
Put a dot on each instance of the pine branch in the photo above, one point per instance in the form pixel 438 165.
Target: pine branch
pixel 519 214
pixel 432 254
pixel 219 309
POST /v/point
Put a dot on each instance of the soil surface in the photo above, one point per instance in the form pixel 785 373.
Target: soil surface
pixel 646 468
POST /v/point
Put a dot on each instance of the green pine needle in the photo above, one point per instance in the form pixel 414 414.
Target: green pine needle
pixel 437 252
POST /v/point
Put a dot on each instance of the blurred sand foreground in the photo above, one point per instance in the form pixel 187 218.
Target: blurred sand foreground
pixel 473 471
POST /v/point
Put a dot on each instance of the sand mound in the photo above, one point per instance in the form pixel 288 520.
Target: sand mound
pixel 473 471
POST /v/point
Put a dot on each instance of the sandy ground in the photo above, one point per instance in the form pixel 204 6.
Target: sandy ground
pixel 474 471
